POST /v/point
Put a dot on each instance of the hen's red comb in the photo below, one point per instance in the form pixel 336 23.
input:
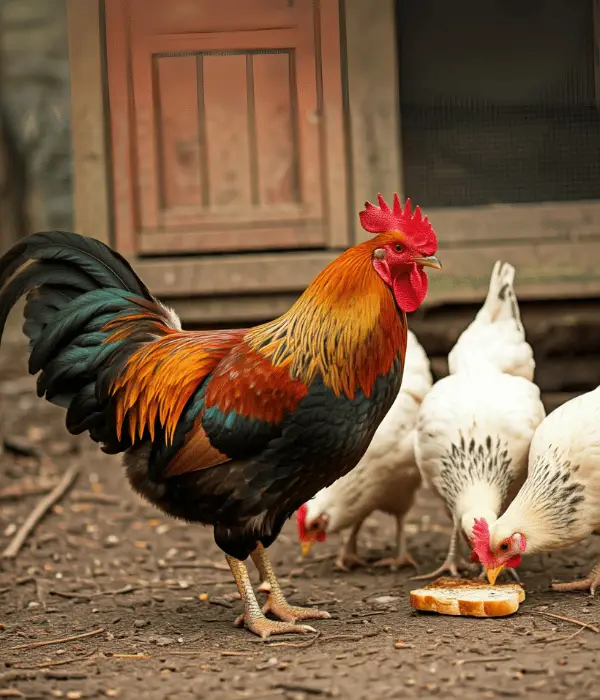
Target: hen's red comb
pixel 381 219
pixel 301 522
pixel 481 541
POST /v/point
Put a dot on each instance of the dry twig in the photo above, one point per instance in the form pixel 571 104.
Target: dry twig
pixel 564 638
pixel 39 511
pixel 297 645
pixel 93 497
pixel 62 640
pixel 573 621
pixel 483 659
pixel 62 662
pixel 15 493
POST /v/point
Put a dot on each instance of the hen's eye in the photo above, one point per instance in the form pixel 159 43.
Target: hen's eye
pixel 398 248
pixel 504 546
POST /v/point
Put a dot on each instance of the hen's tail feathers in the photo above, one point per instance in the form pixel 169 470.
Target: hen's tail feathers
pixel 496 337
pixel 74 287
pixel 501 302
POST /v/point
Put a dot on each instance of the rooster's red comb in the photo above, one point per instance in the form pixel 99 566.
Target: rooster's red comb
pixel 416 227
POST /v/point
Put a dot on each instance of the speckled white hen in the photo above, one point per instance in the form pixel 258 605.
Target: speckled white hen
pixel 385 479
pixel 475 426
pixel 559 503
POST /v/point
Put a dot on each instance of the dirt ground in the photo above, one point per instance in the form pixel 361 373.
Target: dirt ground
pixel 156 601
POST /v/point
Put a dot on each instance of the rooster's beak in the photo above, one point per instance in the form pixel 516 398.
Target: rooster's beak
pixel 492 574
pixel 429 261
pixel 305 547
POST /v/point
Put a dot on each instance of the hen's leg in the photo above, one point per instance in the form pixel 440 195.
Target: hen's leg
pixel 452 562
pixel 253 616
pixel 348 557
pixel 276 603
pixel 590 583
pixel 402 556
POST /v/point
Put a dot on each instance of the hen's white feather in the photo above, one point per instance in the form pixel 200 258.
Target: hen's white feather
pixel 386 477
pixel 475 426
pixel 496 337
pixel 559 503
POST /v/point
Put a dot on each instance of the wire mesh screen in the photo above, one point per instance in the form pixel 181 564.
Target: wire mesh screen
pixel 498 101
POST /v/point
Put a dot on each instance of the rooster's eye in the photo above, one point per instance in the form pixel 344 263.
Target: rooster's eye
pixel 504 546
pixel 398 248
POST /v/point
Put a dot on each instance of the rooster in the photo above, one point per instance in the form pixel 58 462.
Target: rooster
pixel 559 503
pixel 475 426
pixel 232 428
pixel 385 479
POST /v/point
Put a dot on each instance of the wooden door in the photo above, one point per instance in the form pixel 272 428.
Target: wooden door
pixel 226 125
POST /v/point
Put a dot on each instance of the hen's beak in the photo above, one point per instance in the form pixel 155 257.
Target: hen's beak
pixel 429 261
pixel 492 574
pixel 305 547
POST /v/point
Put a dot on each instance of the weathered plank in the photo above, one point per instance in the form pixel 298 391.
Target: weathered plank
pixel 89 118
pixel 503 223
pixel 544 270
pixel 372 101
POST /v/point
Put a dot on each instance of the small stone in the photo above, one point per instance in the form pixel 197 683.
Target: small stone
pixel 140 623
pixel 402 645
pixel 384 599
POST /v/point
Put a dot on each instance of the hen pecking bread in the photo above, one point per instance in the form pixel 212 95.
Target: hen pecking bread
pixel 385 479
pixel 559 503
pixel 475 426
pixel 233 428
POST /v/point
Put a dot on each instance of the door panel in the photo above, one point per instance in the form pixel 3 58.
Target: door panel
pixel 230 120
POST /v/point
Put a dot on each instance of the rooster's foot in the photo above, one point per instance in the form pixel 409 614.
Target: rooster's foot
pixel 264 627
pixel 395 563
pixel 278 606
pixel 349 560
pixel 282 610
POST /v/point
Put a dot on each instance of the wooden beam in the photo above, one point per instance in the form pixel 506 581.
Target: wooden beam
pixel 545 270
pixel 372 102
pixel 496 223
pixel 89 118
pixel 232 275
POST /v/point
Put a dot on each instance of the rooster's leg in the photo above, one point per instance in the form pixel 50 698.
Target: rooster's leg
pixel 253 616
pixel 348 558
pixel 590 583
pixel 452 562
pixel 276 603
pixel 402 556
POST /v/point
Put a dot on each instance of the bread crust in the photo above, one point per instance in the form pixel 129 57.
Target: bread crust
pixel 468 598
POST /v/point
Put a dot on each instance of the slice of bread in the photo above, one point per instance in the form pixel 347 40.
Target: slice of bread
pixel 452 596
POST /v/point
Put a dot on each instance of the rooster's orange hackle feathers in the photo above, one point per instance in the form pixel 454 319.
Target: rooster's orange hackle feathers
pixel 316 335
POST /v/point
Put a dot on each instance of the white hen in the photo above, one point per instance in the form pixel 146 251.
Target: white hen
pixel 385 479
pixel 559 503
pixel 475 426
